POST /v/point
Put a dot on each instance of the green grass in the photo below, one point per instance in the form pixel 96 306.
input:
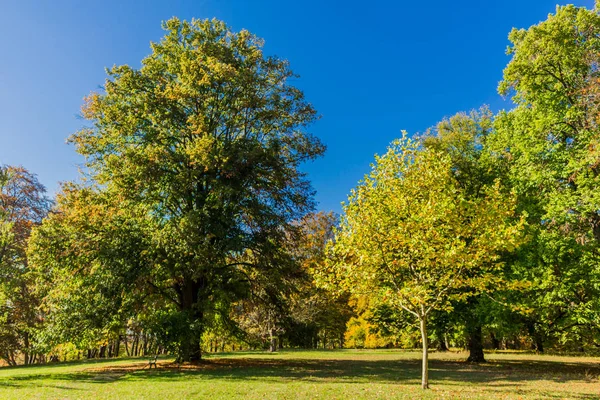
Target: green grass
pixel 346 374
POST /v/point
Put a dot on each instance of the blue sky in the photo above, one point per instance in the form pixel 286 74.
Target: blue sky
pixel 371 69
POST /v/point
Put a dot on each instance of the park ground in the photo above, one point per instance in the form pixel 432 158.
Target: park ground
pixel 338 374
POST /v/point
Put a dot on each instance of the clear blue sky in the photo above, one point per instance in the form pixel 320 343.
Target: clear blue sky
pixel 371 68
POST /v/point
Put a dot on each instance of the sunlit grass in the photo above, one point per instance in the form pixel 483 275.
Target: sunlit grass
pixel 346 374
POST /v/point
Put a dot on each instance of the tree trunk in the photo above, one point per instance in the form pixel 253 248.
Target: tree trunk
pixel 191 351
pixel 117 346
pixel 441 340
pixel 475 344
pixel 135 345
pixel 425 367
pixel 538 342
pixel 495 341
pixel 26 346
pixel 126 346
pixel 188 300
pixel 273 341
pixel 146 350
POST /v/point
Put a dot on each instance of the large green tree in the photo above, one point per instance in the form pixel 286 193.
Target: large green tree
pixel 412 237
pixel 551 141
pixel 204 142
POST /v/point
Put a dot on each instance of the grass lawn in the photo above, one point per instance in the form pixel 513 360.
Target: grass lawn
pixel 339 374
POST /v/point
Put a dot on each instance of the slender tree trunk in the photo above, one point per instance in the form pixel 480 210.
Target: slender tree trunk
pixel 272 341
pixel 126 347
pixel 117 346
pixel 425 367
pixel 26 346
pixel 135 345
pixel 145 344
pixel 495 341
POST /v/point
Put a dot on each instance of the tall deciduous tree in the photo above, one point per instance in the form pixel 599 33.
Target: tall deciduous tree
pixel 413 237
pixel 206 137
pixel 551 140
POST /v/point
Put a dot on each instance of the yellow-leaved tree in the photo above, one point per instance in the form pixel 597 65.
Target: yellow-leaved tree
pixel 412 237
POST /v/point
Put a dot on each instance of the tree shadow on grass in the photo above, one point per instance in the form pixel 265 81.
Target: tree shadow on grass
pixel 500 376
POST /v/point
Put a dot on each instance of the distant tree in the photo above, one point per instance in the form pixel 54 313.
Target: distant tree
pixel 292 307
pixel 412 237
pixel 203 145
pixel 312 306
pixel 23 204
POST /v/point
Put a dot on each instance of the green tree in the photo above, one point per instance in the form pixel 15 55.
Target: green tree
pixel 412 237
pixel 203 143
pixel 551 141
pixel 89 259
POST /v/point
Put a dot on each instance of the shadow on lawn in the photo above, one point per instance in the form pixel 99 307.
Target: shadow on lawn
pixel 497 375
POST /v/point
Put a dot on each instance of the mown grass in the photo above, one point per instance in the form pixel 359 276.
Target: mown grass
pixel 345 374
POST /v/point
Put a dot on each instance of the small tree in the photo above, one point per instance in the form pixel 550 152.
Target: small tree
pixel 412 237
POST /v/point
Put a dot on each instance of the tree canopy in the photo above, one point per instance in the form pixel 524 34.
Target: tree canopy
pixel 200 148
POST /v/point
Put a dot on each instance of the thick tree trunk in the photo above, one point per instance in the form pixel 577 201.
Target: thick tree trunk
pixel 425 365
pixel 188 298
pixel 538 341
pixel 475 344
pixel 191 351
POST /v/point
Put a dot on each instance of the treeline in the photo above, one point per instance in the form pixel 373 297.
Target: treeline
pixel 193 229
